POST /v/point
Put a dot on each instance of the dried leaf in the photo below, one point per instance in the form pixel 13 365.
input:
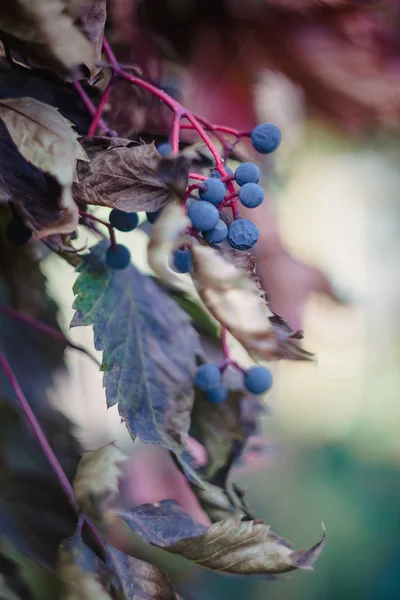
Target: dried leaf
pixel 123 176
pixel 90 20
pixel 174 171
pixel 233 298
pixel 229 546
pixel 43 136
pixel 167 234
pixel 149 348
pixel 44 31
pixel 97 479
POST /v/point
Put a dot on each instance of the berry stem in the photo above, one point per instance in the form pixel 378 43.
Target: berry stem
pixel 100 108
pixel 46 329
pixel 40 436
pixel 92 109
pixel 198 176
pixel 175 132
pixel 110 228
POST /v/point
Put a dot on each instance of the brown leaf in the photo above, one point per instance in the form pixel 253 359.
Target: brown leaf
pixel 233 298
pixel 97 478
pixel 43 136
pixel 90 20
pixel 123 176
pixel 167 234
pixel 43 30
pixel 228 546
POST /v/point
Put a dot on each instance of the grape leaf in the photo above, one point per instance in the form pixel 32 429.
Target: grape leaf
pixel 149 348
pixel 121 175
pixel 233 298
pixel 117 576
pixel 44 31
pixel 90 20
pixel 230 546
pixel 97 478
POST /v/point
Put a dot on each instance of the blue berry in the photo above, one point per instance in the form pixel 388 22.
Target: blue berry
pixel 153 216
pixel 216 235
pixel 164 149
pixel 214 191
pixel 251 195
pixel 247 172
pixel 258 380
pixel 123 221
pixel 118 257
pixel 204 215
pixel 183 260
pixel 17 233
pixel 242 234
pixel 265 138
pixel 207 376
pixel 217 394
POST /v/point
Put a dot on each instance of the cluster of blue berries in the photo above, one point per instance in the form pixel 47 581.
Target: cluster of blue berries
pixel 257 380
pixel 118 255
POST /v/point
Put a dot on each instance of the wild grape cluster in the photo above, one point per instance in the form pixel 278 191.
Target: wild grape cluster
pixel 256 380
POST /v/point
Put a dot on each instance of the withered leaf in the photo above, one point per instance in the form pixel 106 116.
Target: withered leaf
pixel 149 348
pixel 123 176
pixel 90 20
pixel 229 546
pixel 167 234
pixel 46 140
pixel 97 478
pixel 234 299
pixel 44 31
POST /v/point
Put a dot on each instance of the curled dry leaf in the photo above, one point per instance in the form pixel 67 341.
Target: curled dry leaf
pixel 229 546
pixel 90 20
pixel 97 478
pixel 167 234
pixel 234 300
pixel 46 140
pixel 44 31
pixel 122 174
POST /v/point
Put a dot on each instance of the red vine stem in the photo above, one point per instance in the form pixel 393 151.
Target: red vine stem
pixel 46 329
pixel 40 436
pixel 176 125
pixel 99 111
pixel 92 109
pixel 110 228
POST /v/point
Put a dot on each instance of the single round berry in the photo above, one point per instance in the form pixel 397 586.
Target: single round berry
pixel 217 394
pixel 214 191
pixel 153 216
pixel 247 172
pixel 118 257
pixel 204 215
pixel 123 221
pixel 265 138
pixel 182 260
pixel 258 380
pixel 207 376
pixel 17 233
pixel 251 195
pixel 164 149
pixel 242 234
pixel 218 234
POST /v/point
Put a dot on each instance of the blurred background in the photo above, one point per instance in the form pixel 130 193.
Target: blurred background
pixel 333 426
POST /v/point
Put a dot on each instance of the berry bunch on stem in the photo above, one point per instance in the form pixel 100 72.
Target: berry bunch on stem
pixel 206 197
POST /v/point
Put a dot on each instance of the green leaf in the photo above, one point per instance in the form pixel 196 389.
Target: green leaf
pixel 229 546
pixel 149 348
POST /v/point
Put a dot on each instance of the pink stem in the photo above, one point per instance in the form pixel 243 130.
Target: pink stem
pixel 97 220
pixel 175 132
pixel 40 436
pixel 198 176
pixel 92 109
pixel 110 54
pixel 99 110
